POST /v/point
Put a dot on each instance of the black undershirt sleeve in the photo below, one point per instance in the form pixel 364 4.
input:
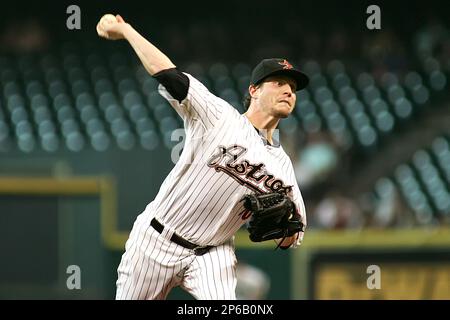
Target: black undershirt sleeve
pixel 175 82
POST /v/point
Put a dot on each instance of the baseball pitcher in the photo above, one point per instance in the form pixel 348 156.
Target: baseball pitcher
pixel 232 172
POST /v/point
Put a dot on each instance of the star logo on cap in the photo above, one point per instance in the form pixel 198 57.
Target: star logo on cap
pixel 286 64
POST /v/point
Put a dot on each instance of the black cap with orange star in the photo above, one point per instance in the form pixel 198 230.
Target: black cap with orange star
pixel 276 66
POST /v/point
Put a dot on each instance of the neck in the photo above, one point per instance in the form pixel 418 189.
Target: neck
pixel 263 122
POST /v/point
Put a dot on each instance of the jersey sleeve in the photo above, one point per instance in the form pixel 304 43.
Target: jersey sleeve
pixel 199 105
pixel 297 198
pixel 300 206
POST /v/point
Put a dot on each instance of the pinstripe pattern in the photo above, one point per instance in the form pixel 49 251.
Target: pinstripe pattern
pixel 213 275
pixel 224 158
pixel 152 273
pixel 162 265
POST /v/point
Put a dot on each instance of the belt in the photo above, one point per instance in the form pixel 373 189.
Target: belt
pixel 198 250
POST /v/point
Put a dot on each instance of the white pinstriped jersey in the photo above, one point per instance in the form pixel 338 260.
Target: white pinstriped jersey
pixel 224 158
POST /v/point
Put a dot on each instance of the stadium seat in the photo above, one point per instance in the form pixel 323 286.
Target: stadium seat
pixel 100 141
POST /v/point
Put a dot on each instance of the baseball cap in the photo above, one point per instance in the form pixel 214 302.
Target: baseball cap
pixel 277 66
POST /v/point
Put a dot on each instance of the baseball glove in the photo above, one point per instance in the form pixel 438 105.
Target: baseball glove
pixel 273 216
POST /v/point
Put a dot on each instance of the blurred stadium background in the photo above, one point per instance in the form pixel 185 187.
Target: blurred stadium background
pixel 85 141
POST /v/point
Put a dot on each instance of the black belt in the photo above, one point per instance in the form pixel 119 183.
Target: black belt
pixel 199 250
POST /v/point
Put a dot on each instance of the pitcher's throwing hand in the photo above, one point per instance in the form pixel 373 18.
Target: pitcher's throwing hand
pixel 111 27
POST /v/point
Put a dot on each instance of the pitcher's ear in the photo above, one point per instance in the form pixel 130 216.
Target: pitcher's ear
pixel 252 89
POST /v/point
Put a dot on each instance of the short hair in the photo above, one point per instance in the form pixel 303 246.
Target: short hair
pixel 247 100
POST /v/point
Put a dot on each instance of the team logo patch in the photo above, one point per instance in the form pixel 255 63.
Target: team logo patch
pixel 254 176
pixel 286 64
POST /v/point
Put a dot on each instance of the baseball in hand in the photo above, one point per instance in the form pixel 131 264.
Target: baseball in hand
pixel 108 18
pixel 109 27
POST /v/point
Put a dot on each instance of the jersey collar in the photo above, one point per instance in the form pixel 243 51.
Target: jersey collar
pixel 276 143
